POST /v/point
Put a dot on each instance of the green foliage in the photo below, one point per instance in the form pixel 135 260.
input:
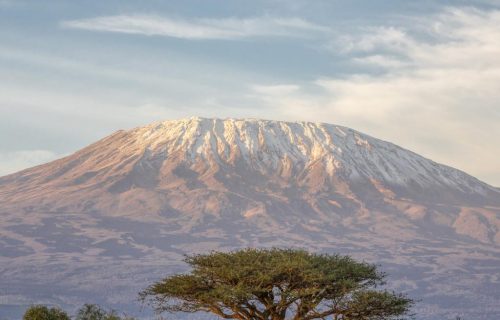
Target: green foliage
pixel 87 312
pixel 278 283
pixel 40 312
pixel 90 312
pixel 95 312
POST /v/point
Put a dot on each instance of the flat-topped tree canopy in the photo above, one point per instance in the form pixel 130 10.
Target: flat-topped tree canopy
pixel 278 284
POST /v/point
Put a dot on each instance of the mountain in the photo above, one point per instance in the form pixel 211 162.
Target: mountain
pixel 102 223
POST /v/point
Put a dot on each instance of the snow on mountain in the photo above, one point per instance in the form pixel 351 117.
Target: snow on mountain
pixel 273 145
pixel 130 205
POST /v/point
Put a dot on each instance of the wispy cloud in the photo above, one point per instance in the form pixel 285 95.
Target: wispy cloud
pixel 435 89
pixel 198 29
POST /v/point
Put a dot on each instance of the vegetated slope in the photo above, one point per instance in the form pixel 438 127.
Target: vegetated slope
pixel 139 197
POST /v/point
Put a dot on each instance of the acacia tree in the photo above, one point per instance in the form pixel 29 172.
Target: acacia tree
pixel 277 284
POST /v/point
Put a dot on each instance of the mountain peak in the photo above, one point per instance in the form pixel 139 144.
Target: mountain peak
pixel 154 193
pixel 273 146
pixel 324 155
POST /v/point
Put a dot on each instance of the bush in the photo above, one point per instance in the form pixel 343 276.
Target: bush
pixel 95 312
pixel 40 312
pixel 87 312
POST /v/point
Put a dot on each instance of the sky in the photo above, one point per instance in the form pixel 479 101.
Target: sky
pixel 422 74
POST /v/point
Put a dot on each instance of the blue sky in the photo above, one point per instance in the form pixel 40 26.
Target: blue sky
pixel 422 74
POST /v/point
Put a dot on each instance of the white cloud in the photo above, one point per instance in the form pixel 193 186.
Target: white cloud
pixel 227 28
pixel 14 161
pixel 383 61
pixel 374 38
pixel 438 93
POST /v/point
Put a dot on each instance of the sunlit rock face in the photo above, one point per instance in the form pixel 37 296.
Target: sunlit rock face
pixel 103 222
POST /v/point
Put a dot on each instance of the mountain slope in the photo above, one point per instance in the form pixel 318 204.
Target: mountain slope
pixel 139 198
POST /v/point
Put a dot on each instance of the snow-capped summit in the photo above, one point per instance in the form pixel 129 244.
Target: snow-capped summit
pixel 278 147
pixel 250 155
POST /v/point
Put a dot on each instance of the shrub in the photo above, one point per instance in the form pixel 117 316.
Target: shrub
pixel 40 312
